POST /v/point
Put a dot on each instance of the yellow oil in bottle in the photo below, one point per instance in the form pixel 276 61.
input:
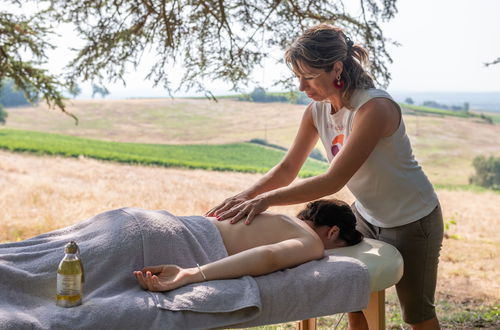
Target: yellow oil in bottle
pixel 69 278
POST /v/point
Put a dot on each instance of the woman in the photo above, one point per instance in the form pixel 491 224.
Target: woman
pixel 274 242
pixel 364 136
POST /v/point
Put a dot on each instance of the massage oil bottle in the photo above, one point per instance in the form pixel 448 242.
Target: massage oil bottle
pixel 70 277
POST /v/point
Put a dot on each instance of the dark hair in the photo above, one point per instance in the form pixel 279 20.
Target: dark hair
pixel 321 46
pixel 333 212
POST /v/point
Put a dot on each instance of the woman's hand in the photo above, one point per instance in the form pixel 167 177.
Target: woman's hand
pixel 248 209
pixel 164 277
pixel 228 204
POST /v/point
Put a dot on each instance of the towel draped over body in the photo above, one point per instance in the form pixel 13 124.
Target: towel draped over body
pixel 115 243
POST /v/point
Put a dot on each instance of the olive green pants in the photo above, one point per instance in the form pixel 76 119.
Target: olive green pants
pixel 419 243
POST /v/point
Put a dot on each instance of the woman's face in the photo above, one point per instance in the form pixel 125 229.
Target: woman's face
pixel 316 83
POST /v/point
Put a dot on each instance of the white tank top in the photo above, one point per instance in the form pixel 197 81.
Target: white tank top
pixel 390 187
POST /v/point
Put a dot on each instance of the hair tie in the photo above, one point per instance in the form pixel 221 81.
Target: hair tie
pixel 349 43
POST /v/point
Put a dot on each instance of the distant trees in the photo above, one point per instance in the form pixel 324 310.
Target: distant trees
pixel 75 90
pixel 434 104
pixel 101 90
pixel 487 172
pixel 409 100
pixel 10 96
pixel 3 115
pixel 259 94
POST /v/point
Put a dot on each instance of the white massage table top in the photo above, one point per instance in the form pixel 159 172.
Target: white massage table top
pixel 384 262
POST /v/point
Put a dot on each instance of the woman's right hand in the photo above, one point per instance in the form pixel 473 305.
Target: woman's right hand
pixel 228 203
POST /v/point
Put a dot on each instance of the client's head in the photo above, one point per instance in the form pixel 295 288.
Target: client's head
pixel 334 222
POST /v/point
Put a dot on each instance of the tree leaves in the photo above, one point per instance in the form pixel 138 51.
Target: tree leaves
pixel 211 39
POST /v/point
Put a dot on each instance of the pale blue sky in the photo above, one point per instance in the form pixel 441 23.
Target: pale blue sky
pixel 444 45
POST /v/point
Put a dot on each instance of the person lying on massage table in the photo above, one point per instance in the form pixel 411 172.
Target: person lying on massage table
pixel 273 242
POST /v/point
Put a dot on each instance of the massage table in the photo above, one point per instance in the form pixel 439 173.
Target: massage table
pixel 385 267
pixel 115 242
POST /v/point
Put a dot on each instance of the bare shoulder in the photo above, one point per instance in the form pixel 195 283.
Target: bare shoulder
pixel 382 106
pixel 379 112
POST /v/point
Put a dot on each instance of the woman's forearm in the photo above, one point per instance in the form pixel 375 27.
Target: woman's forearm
pixel 305 190
pixel 279 176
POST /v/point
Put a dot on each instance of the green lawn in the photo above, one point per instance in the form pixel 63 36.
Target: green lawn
pixel 240 157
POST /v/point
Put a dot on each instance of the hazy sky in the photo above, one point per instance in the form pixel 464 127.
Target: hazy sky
pixel 444 45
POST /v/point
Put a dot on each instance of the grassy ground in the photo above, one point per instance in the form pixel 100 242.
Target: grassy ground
pixel 41 193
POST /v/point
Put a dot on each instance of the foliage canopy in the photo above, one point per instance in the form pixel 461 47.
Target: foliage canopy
pixel 212 39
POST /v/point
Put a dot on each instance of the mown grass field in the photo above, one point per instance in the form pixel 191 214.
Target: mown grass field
pixel 41 192
pixel 238 157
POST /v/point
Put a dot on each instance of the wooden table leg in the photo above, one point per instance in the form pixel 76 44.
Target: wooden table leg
pixel 375 312
pixel 309 324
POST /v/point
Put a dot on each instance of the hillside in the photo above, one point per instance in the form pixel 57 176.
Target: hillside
pixel 445 146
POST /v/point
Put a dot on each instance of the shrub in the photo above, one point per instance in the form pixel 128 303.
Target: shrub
pixel 264 142
pixel 487 172
pixel 316 154
pixel 11 96
pixel 3 115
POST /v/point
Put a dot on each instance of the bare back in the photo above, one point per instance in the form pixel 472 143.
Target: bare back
pixel 266 228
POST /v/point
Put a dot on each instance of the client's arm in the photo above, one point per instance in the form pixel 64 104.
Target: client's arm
pixel 256 261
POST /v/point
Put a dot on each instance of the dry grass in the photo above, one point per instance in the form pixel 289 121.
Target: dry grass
pixel 165 120
pixel 43 193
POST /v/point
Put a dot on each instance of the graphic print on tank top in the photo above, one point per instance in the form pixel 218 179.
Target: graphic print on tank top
pixel 337 143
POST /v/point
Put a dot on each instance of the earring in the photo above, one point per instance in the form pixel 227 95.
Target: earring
pixel 339 83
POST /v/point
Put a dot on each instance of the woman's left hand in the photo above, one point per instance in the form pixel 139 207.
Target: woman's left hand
pixel 163 277
pixel 248 210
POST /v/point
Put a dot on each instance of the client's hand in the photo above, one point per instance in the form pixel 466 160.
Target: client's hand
pixel 164 277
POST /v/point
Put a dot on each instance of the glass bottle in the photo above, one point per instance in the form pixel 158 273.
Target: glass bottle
pixel 70 277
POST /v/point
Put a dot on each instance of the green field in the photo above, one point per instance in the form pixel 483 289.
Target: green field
pixel 493 118
pixel 240 157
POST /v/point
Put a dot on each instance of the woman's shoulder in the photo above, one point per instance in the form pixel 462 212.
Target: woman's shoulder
pixel 362 96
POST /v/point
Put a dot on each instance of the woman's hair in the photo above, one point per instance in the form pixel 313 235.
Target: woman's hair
pixel 333 212
pixel 320 47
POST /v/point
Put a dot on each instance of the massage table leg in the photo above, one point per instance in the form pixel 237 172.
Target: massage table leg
pixel 309 324
pixel 374 313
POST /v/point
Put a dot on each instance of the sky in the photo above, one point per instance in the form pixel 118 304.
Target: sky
pixel 444 45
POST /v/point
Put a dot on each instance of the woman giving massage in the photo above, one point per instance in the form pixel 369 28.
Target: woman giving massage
pixel 273 242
